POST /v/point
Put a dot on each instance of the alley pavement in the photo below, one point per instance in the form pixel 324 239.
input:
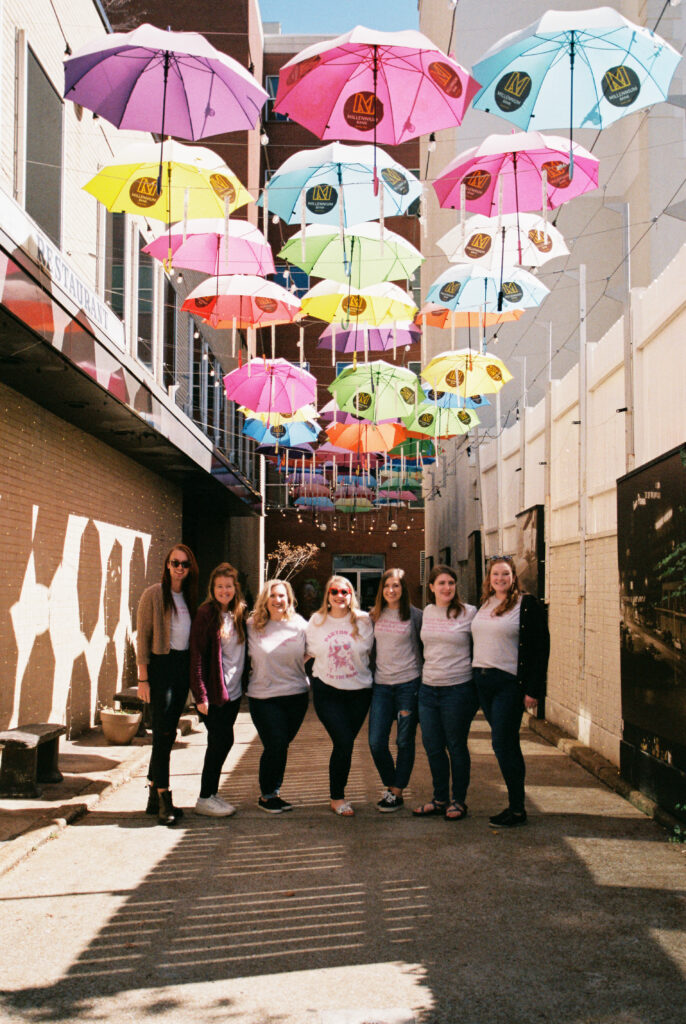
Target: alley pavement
pixel 579 917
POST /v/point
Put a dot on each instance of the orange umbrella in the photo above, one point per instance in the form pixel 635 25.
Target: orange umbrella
pixel 431 315
pixel 366 437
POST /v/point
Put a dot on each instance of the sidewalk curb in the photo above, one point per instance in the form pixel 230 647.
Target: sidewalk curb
pixel 22 846
pixel 603 770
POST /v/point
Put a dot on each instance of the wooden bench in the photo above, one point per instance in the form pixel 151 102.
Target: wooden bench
pixel 29 756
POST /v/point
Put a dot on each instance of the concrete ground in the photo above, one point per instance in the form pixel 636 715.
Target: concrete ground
pixel 577 918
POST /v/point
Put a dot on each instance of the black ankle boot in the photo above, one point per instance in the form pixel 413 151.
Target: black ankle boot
pixel 153 806
pixel 166 815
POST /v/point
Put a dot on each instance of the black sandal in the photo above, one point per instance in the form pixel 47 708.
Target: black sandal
pixel 461 810
pixel 430 809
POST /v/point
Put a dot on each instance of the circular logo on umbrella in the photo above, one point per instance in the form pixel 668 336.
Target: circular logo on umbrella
pixel 277 431
pixel 454 378
pixel 143 192
pixel 558 173
pixel 512 291
pixel 621 86
pixel 478 245
pixel 203 301
pixel 266 304
pixel 446 78
pixel 354 305
pixel 543 242
pixel 363 110
pixel 476 183
pixel 321 198
pixel 463 416
pixel 477 399
pixel 425 420
pixel 450 290
pixel 223 187
pixel 362 400
pixel 395 180
pixel 494 372
pixel 407 395
pixel 434 396
pixel 512 90
pixel 303 68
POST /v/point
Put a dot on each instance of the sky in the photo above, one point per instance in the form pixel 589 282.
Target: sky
pixel 334 17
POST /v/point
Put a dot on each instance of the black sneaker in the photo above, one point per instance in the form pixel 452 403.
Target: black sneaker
pixel 274 805
pixel 389 802
pixel 508 818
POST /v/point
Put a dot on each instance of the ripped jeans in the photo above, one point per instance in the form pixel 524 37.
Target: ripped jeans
pixel 394 703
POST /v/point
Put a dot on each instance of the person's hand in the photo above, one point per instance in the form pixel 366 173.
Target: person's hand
pixel 530 703
pixel 203 708
pixel 144 691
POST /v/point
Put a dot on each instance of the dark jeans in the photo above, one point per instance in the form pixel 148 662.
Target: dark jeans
pixel 169 676
pixel 219 722
pixel 394 703
pixel 502 703
pixel 342 713
pixel 445 715
pixel 277 720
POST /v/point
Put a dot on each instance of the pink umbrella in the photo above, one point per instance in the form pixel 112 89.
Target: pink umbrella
pixel 243 301
pixel 203 247
pixel 516 164
pixel 271 385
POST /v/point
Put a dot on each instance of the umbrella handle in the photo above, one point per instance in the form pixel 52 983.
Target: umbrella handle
pixel 164 109
pixel 571 106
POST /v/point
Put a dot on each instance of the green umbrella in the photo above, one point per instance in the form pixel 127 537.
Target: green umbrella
pixel 376 391
pixel 354 505
pixel 414 448
pixel 429 420
pixel 361 256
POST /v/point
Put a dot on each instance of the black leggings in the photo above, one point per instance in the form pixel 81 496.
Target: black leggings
pixel 277 720
pixel 169 681
pixel 219 722
pixel 342 713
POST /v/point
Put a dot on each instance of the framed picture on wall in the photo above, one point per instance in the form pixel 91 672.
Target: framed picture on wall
pixel 529 558
pixel 444 555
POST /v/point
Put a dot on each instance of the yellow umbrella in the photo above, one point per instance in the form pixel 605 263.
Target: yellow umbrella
pixel 374 306
pixel 278 419
pixel 195 183
pixel 466 373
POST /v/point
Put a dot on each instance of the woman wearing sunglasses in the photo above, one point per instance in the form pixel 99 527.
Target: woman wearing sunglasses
pixel 339 639
pixel 163 626
pixel 217 662
pixel 511 647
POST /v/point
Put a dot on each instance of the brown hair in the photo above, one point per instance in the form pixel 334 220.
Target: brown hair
pixel 189 587
pixel 260 616
pixel 456 606
pixel 514 592
pixel 237 605
pixel 381 603
pixel 323 609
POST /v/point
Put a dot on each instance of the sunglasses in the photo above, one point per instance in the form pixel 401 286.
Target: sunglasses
pixel 335 591
pixel 177 564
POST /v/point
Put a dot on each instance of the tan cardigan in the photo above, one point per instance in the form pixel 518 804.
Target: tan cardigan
pixel 153 625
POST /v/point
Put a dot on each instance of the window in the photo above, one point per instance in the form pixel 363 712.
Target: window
pixel 114 262
pixel 288 275
pixel 171 370
pixel 43 176
pixel 414 208
pixel 146 318
pixel 271 85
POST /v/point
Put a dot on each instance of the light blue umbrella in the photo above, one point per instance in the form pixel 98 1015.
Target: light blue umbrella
pixel 447 400
pixel 467 287
pixel 575 69
pixel 320 179
pixel 286 435
pixel 324 504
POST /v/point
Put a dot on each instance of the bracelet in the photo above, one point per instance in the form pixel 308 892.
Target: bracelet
pixel 143 680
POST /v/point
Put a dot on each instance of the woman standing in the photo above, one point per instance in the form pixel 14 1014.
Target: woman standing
pixel 163 626
pixel 217 663
pixel 397 660
pixel 339 638
pixel 278 688
pixel 511 647
pixel 447 697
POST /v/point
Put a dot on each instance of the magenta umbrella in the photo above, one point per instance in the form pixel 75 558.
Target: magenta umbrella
pixel 379 339
pixel 271 385
pixel 518 161
pixel 203 247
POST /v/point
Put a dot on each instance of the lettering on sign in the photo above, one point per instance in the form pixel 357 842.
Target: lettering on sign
pixel 512 90
pixel 621 86
pixel 143 192
pixel 362 111
pixel 321 198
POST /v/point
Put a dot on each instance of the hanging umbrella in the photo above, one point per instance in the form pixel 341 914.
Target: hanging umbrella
pixel 320 502
pixel 333 185
pixel 575 69
pixel 354 491
pixel 307 412
pixel 285 435
pixel 377 305
pixel 195 183
pixel 393 497
pixel 414 450
pixel 447 400
pixel 378 339
pixel 305 477
pixel 214 246
pixel 523 238
pixel 172 83
pixel 432 315
pixel 469 286
pixel 312 490
pixel 353 505
pixel 366 437
pixel 243 301
pixel 364 479
pixel 375 391
pixel 362 255
pixel 430 420
pixel 466 373
pixel 514 164
pixel 271 384
pixel 275 454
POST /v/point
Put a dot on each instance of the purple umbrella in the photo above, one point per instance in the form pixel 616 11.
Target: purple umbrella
pixel 379 339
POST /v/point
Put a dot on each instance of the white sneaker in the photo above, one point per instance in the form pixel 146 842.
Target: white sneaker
pixel 211 807
pixel 227 809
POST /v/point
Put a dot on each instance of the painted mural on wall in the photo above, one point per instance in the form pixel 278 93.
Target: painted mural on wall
pixel 651 536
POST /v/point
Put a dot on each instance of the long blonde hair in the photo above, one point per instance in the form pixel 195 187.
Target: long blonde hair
pixel 513 593
pixel 260 616
pixel 324 608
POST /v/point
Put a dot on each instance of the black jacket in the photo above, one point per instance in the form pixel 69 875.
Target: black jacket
pixel 534 647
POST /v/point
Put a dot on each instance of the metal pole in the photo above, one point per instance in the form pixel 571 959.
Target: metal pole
pixel 499 473
pixel 583 439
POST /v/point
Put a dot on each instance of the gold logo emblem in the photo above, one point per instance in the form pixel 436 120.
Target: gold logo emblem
pixel 425 420
pixel 449 291
pixel 303 68
pixel 265 303
pixel 621 86
pixel 454 378
pixel 476 183
pixel 277 431
pixel 222 187
pixel 408 395
pixel 143 192
pixel 362 400
pixel 512 90
pixel 494 372
pixel 478 245
pixel 463 416
pixel 354 305
pixel 543 242
pixel 321 198
pixel 203 301
pixel 446 78
pixel 395 180
pixel 558 173
pixel 362 111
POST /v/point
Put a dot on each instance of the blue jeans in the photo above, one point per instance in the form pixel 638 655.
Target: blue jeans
pixel 445 715
pixel 393 703
pixel 502 703
pixel 277 720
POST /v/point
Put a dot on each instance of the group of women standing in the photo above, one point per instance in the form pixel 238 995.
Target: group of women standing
pixel 395 663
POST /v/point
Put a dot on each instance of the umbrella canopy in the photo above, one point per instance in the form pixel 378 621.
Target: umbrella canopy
pixel 285 435
pixel 378 339
pixel 353 505
pixel 376 391
pixel 470 286
pixel 365 480
pixel 523 238
pixel 466 373
pixel 354 491
pixel 366 437
pixel 440 316
pixel 378 305
pixel 214 246
pixel 334 183
pixel 515 164
pixel 430 420
pixel 392 497
pixel 174 83
pixel 243 299
pixel 315 501
pixel 576 69
pixel 414 450
pixel 271 384
pixel 396 85
pixel 308 412
pixel 447 400
pixel 362 255
pixel 194 182
pixel 312 490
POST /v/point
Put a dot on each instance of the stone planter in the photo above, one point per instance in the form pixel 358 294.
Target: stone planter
pixel 119 727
